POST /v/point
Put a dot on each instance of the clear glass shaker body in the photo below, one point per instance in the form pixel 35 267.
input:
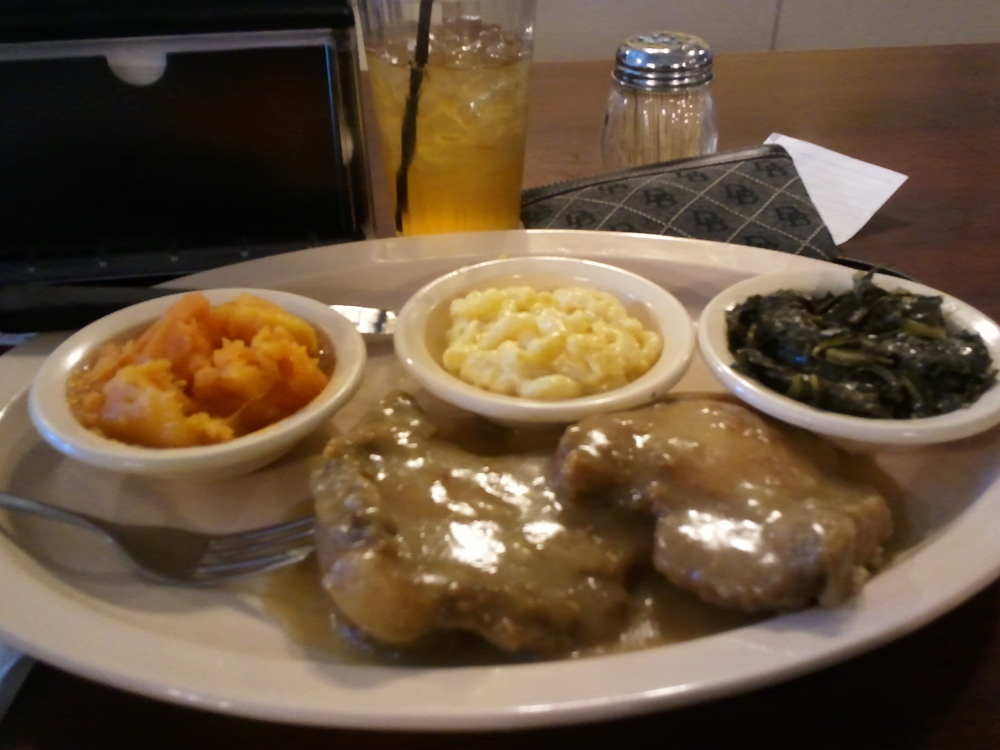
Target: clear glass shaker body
pixel 647 127
pixel 660 107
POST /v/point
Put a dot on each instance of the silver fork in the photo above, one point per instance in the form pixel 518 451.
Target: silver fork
pixel 190 558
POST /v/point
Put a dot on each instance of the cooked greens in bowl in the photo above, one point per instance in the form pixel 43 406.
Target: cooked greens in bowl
pixel 870 359
pixel 868 351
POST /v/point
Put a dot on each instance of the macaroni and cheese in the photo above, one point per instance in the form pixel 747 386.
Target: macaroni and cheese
pixel 546 345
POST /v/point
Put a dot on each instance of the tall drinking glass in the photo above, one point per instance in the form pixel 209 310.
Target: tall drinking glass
pixel 450 91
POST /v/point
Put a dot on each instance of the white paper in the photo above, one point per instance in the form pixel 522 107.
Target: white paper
pixel 846 191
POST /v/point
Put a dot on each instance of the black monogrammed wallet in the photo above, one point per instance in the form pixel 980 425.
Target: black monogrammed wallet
pixel 752 196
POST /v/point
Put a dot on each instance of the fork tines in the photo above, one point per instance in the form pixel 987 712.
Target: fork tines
pixel 256 551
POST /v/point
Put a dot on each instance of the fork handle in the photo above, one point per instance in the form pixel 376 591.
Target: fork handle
pixel 38 508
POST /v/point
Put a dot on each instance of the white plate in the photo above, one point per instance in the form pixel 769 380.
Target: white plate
pixel 218 650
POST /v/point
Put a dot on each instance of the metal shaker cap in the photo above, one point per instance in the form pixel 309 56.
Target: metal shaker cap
pixel 663 60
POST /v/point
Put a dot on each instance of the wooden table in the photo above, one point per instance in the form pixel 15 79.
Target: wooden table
pixel 930 113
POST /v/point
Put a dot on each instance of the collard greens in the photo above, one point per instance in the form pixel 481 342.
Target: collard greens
pixel 868 352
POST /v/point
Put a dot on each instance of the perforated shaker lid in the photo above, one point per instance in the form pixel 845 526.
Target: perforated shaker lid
pixel 663 60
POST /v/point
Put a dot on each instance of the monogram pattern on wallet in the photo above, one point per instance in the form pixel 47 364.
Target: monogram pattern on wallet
pixel 748 197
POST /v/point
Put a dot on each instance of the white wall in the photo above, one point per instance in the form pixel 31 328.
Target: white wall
pixel 809 24
pixel 593 29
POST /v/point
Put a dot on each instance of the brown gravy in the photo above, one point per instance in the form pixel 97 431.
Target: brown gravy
pixel 659 612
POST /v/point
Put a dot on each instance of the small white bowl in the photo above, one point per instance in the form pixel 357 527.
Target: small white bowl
pixel 857 433
pixel 423 320
pixel 51 415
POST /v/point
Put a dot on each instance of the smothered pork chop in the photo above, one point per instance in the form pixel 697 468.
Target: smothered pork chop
pixel 750 515
pixel 541 552
pixel 418 536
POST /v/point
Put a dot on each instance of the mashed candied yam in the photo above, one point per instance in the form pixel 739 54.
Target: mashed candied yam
pixel 185 335
pixel 201 375
pixel 144 404
pixel 260 383
pixel 547 345
pixel 236 375
pixel 244 317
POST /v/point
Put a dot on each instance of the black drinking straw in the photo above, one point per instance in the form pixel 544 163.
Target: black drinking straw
pixel 409 134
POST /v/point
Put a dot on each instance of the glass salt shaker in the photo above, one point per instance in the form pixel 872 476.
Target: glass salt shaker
pixel 660 107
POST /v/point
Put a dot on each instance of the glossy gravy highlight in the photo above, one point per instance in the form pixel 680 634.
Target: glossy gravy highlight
pixel 398 503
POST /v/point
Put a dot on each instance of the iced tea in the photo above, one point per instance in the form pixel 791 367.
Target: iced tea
pixel 470 128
